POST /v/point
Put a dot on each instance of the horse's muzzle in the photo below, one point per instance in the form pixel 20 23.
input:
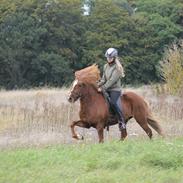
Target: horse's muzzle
pixel 73 97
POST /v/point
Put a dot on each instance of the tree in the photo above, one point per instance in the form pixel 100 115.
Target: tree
pixel 40 43
pixel 39 38
pixel 148 36
pixel 140 39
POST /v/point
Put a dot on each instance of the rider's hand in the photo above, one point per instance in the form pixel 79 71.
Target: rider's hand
pixel 99 90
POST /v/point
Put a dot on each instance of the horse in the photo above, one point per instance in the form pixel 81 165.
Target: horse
pixel 94 111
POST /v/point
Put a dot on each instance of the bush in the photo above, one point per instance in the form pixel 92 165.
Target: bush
pixel 171 68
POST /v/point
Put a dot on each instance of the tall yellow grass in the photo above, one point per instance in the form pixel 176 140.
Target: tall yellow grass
pixel 172 69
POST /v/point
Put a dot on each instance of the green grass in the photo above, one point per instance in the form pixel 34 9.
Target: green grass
pixel 134 161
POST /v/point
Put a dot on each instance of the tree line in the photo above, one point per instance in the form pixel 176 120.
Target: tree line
pixel 44 42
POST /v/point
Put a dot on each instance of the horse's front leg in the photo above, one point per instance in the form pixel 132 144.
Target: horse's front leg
pixel 79 123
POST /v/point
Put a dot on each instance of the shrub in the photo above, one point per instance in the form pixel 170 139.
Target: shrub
pixel 171 68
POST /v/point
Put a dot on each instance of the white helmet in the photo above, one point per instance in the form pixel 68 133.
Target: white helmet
pixel 111 52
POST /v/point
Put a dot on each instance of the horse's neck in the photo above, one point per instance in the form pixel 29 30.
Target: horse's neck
pixel 90 103
pixel 90 97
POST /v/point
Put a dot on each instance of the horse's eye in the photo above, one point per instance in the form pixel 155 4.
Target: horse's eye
pixel 80 85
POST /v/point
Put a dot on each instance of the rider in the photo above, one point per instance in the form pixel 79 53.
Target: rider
pixel 111 83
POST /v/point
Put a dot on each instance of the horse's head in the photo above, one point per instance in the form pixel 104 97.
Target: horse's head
pixel 77 91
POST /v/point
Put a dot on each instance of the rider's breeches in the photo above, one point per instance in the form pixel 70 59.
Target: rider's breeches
pixel 115 98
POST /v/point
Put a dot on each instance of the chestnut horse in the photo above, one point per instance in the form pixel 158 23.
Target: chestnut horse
pixel 94 110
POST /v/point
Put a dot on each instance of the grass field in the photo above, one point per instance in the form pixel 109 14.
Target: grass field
pixel 132 161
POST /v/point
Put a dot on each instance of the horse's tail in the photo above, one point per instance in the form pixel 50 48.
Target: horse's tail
pixel 154 124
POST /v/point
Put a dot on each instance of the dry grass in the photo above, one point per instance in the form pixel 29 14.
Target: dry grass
pixel 34 116
pixel 39 117
pixel 172 69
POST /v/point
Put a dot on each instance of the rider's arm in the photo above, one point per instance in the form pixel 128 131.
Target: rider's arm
pixel 116 75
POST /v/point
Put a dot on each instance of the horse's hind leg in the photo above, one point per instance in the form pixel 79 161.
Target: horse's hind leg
pixel 100 130
pixel 123 134
pixel 80 124
pixel 142 121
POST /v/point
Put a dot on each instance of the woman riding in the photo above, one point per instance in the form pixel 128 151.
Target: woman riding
pixel 111 83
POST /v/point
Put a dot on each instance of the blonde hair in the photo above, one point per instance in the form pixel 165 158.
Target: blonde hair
pixel 119 67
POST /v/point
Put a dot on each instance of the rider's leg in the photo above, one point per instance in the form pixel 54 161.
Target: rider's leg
pixel 115 97
pixel 122 124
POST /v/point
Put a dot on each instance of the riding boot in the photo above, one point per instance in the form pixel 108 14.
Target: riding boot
pixel 121 121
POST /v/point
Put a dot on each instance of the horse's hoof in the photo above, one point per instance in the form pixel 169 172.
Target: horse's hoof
pixel 78 137
pixel 75 137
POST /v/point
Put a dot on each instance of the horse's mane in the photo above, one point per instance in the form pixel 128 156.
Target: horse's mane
pixel 89 75
pixel 91 85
